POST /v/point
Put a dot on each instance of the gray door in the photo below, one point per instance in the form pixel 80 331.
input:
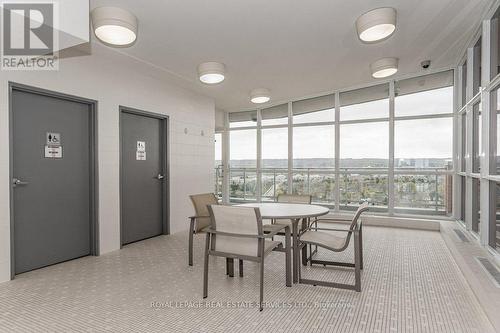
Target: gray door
pixel 142 167
pixel 52 197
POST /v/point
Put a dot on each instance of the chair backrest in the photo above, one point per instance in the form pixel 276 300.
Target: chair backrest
pixel 236 220
pixel 361 209
pixel 294 198
pixel 354 223
pixel 201 203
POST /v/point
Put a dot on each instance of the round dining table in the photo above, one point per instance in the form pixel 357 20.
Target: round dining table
pixel 289 211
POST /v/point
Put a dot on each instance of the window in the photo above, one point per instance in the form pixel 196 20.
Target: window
pixel 423 194
pixel 242 185
pixel 274 183
pixel 423 143
pixel 495 36
pixel 243 148
pixel 276 115
pixel 476 149
pixel 313 162
pixel 218 164
pixel 366 103
pixel 364 145
pixel 430 102
pixel 275 148
pixel 356 188
pixel 462 199
pixel 495 104
pixel 476 205
pixel 243 162
pixel 243 119
pixel 494 240
pixel 274 162
pixel 314 110
pixel 423 134
pixel 464 84
pixel 427 142
pixel 476 82
pixel 319 183
pixel 463 119
pixel 314 146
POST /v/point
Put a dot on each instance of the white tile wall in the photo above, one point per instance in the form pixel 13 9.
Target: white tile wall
pixel 114 79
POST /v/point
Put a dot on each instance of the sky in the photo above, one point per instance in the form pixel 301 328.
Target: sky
pixel 423 138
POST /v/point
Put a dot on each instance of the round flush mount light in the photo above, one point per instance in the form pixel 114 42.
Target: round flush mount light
pixel 259 96
pixel 211 72
pixel 376 25
pixel 114 26
pixel 384 67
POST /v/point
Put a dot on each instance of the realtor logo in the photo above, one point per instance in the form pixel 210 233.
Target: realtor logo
pixel 28 36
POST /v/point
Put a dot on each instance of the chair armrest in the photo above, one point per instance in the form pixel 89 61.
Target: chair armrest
pixel 196 217
pixel 272 229
pixel 271 233
pixel 333 219
pixel 334 229
pixel 232 234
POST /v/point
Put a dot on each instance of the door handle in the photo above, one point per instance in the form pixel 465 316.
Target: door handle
pixel 18 182
pixel 160 176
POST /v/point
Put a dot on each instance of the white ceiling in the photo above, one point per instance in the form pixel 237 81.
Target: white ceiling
pixel 295 48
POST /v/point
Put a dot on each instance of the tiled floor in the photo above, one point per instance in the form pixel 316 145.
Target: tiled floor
pixel 410 284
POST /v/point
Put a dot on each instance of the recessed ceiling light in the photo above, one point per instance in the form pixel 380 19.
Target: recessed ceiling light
pixel 114 26
pixel 211 72
pixel 376 25
pixel 260 95
pixel 384 67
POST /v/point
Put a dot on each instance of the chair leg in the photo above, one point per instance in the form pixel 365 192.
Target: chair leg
pixel 304 255
pixel 288 257
pixel 299 272
pixel 304 249
pixel 357 263
pixel 261 303
pixel 241 268
pixel 205 267
pixel 361 246
pixel 190 250
pixel 316 229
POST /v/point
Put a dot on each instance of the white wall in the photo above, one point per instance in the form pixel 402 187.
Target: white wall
pixel 219 119
pixel 114 79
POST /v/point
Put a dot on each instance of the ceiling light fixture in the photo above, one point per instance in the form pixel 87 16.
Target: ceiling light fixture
pixel 211 72
pixel 260 95
pixel 384 67
pixel 114 26
pixel 376 25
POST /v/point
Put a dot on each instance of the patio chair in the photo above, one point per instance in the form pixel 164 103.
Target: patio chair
pixel 200 222
pixel 297 199
pixel 236 232
pixel 325 239
pixel 291 198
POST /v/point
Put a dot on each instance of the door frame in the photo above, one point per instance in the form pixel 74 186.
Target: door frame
pixel 93 160
pixel 165 125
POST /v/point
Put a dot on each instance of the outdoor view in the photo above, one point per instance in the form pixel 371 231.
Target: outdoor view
pixel 422 154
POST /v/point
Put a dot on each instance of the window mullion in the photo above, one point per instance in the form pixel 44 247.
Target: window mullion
pixel 290 149
pixel 258 173
pixel 390 178
pixel 225 160
pixel 337 152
